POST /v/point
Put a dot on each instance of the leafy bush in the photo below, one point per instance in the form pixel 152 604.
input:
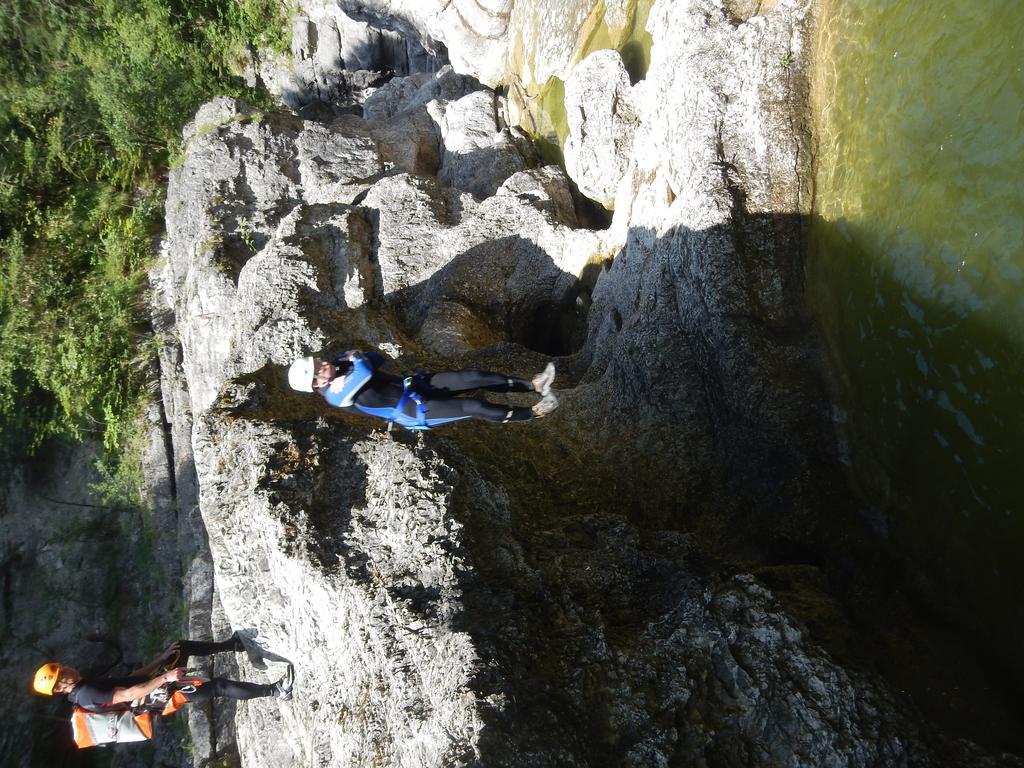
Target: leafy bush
pixel 93 96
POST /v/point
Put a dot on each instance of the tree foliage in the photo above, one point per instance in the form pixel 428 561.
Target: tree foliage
pixel 93 96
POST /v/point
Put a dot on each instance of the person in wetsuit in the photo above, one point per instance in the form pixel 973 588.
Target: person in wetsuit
pixel 354 381
pixel 150 686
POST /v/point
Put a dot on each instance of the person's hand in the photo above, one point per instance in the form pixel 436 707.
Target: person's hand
pixel 173 675
pixel 171 651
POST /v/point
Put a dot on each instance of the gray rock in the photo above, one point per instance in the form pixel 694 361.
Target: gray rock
pixel 394 96
pixel 602 121
pixel 335 166
pixel 525 595
pixel 473 32
pixel 477 151
pixel 335 60
pixel 478 154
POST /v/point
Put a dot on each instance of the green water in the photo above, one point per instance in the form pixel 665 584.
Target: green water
pixel 916 271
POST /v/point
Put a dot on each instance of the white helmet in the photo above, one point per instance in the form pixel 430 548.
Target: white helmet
pixel 300 374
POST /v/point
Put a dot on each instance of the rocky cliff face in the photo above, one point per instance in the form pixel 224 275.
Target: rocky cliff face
pixel 571 592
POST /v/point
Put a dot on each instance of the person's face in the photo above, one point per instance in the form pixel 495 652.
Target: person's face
pixel 324 373
pixel 66 680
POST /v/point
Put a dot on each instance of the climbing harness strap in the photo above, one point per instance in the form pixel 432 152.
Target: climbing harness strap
pixel 409 393
pixel 417 389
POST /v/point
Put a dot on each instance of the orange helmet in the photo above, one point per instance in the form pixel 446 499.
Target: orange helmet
pixel 46 678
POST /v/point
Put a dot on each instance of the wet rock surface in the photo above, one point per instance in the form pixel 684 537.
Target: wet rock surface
pixel 586 590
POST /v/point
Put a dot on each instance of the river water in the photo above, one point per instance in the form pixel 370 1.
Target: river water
pixel 916 274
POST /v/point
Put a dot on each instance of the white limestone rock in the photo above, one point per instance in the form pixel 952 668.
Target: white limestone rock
pixel 524 595
pixel 477 155
pixel 335 58
pixel 474 32
pixel 602 122
pixel 394 96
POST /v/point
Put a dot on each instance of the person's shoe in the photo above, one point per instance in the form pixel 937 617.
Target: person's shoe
pixel 282 689
pixel 544 406
pixel 239 646
pixel 542 381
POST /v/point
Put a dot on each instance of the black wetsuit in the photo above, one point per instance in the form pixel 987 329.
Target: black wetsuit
pixel 96 694
pixel 438 393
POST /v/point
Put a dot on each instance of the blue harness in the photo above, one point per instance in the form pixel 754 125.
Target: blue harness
pixel 359 377
pixel 397 414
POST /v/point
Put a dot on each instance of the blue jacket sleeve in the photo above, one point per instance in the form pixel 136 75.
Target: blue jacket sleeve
pixel 374 359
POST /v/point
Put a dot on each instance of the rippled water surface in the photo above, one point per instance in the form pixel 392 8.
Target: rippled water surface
pixel 917 274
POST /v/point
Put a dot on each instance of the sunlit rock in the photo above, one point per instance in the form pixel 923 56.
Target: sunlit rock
pixel 589 589
pixel 602 123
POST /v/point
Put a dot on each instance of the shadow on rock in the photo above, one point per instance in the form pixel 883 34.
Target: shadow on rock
pixel 610 542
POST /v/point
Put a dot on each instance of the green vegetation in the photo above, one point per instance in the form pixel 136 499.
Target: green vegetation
pixel 93 96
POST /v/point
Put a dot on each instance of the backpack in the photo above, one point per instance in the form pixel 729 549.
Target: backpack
pixel 92 729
